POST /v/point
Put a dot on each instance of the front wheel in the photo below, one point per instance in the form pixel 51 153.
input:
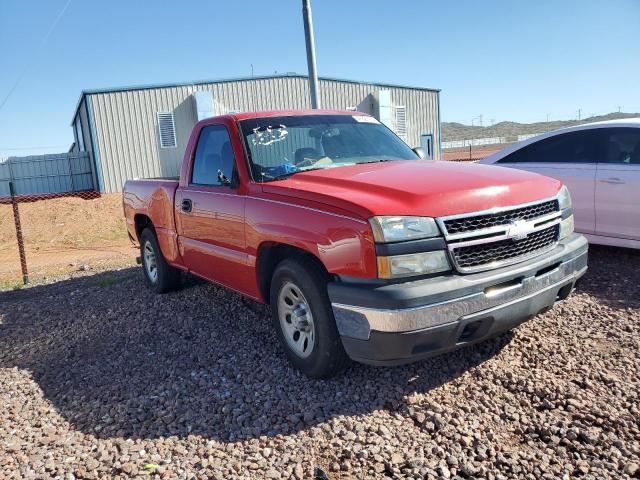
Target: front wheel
pixel 303 319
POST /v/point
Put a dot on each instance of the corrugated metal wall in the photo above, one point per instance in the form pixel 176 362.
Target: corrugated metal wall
pixel 87 137
pixel 126 133
pixel 5 176
pixel 43 174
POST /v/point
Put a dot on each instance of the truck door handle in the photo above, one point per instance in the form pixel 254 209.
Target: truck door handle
pixel 187 205
pixel 612 180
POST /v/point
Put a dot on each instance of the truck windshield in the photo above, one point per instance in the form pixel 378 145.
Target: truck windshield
pixel 279 147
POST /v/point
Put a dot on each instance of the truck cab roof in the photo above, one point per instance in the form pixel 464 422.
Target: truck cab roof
pixel 285 113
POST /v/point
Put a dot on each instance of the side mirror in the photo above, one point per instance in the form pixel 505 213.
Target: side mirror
pixel 420 152
pixel 226 181
pixel 222 178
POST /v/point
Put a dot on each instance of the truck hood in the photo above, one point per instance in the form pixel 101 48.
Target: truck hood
pixel 415 187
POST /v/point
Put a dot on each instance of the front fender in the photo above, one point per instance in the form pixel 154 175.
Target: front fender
pixel 344 245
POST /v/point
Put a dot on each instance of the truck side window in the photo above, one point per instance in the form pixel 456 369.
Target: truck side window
pixel 213 163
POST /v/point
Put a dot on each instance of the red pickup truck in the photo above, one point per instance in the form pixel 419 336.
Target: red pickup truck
pixel 362 248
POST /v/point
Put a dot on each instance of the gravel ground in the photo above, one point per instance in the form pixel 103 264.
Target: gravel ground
pixel 99 378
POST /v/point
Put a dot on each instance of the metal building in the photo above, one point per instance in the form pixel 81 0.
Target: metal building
pixel 138 132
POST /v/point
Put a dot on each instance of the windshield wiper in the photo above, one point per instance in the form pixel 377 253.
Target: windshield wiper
pixel 377 161
pixel 282 176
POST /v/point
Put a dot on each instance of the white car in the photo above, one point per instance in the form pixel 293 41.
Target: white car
pixel 600 163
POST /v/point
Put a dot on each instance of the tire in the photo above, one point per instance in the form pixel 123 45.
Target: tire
pixel 159 275
pixel 297 287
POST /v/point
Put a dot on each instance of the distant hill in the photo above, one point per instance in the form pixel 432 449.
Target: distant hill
pixel 458 131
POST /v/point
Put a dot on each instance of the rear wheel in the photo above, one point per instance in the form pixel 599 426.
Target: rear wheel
pixel 160 276
pixel 303 318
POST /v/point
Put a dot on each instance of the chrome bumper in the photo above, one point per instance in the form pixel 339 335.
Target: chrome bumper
pixel 511 285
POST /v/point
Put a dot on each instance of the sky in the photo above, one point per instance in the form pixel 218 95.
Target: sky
pixel 502 59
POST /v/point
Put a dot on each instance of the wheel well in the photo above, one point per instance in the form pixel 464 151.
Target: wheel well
pixel 141 222
pixel 270 255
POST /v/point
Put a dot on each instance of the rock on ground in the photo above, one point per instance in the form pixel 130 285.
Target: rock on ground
pixel 99 378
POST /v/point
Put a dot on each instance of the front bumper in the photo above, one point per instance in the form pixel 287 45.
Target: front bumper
pixel 395 323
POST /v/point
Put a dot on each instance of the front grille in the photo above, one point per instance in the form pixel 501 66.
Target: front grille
pixel 480 222
pixel 485 254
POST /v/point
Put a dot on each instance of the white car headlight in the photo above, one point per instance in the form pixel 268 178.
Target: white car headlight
pixel 397 229
pixel 564 198
pixel 413 264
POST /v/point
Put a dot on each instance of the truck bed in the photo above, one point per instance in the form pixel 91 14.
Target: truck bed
pixel 152 198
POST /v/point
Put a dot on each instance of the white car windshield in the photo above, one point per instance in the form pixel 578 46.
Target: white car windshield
pixel 279 147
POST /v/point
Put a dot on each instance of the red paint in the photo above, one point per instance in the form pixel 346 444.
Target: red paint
pixel 323 212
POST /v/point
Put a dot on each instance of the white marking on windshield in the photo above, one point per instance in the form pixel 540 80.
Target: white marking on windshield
pixel 364 119
pixel 268 135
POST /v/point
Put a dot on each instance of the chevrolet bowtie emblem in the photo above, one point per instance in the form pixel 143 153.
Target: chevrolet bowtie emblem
pixel 519 229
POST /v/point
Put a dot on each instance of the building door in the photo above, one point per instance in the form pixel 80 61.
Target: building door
pixel 426 142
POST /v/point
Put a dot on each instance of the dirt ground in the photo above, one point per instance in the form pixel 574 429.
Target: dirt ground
pixel 477 153
pixel 63 235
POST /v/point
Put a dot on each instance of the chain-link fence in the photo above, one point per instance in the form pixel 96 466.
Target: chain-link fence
pixel 45 236
pixel 470 153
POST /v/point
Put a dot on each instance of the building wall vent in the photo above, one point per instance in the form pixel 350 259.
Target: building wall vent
pixel 401 121
pixel 166 130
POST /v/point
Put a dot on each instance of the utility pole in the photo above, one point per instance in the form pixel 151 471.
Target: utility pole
pixel 479 118
pixel 311 52
pixel 579 112
pixel 548 115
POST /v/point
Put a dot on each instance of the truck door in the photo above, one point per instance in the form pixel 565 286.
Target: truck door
pixel 210 212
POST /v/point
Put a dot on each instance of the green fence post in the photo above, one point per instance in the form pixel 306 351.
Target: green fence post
pixel 16 219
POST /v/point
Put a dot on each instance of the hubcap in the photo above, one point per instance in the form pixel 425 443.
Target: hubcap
pixel 150 264
pixel 296 320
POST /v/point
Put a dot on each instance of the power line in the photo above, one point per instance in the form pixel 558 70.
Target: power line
pixel 32 148
pixel 42 44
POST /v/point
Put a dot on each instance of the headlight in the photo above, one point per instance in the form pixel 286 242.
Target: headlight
pixel 564 199
pixel 566 227
pixel 414 264
pixel 396 229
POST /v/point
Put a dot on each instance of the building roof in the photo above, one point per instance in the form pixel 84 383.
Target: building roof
pixel 234 79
